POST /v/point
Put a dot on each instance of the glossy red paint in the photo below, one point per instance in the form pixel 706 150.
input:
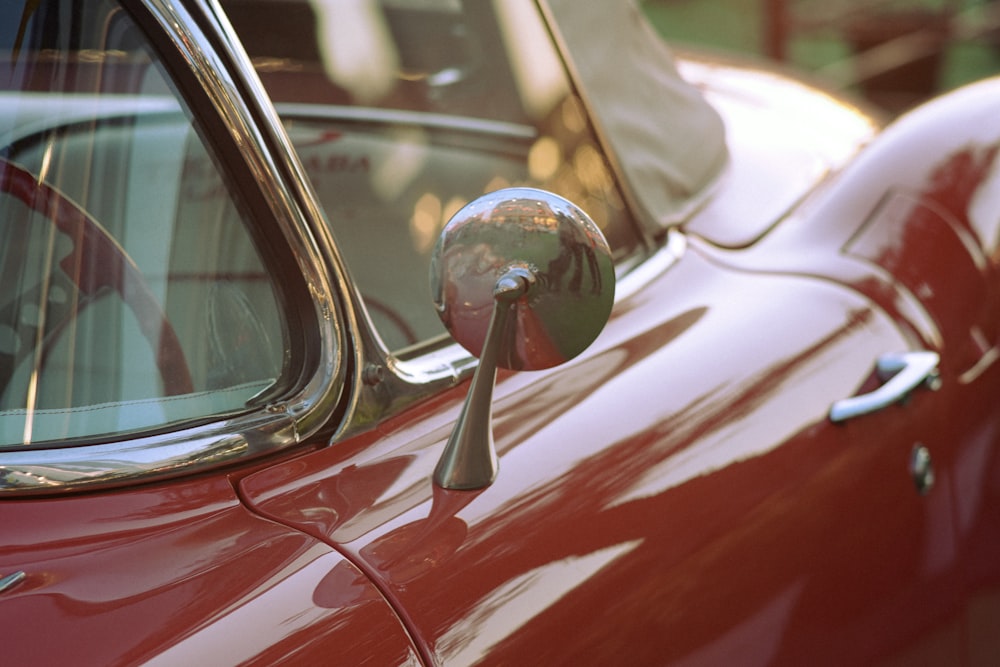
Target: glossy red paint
pixel 724 518
pixel 182 574
pixel 657 503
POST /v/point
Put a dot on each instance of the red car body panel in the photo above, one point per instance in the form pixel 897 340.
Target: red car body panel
pixel 182 574
pixel 724 517
pixel 715 515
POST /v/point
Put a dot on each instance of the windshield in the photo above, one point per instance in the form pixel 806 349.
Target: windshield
pixel 403 111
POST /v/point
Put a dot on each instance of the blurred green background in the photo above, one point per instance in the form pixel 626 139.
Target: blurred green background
pixel 894 52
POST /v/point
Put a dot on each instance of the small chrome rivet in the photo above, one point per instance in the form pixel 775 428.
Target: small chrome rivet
pixel 373 374
pixel 922 469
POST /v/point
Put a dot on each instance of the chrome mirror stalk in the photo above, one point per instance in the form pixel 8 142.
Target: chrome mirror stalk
pixel 470 460
pixel 524 280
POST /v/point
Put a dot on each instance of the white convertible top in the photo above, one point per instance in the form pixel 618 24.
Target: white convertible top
pixel 670 143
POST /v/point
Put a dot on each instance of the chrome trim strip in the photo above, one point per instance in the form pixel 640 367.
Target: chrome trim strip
pixel 158 457
pixel 447 361
pixel 653 266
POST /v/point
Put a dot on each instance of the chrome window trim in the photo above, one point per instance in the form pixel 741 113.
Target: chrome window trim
pixel 301 219
pixel 278 426
pixel 90 467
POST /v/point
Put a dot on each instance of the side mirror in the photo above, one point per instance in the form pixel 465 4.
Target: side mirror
pixel 524 280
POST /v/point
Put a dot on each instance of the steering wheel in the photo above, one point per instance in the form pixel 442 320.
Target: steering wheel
pixel 95 264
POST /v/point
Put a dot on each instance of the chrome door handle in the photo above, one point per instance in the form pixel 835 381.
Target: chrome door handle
pixel 902 373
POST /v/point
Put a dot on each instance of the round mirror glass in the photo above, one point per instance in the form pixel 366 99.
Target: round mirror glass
pixel 550 245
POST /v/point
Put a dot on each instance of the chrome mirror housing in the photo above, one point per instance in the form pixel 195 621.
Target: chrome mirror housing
pixel 524 280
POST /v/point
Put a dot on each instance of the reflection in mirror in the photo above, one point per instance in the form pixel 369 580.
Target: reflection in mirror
pixel 571 273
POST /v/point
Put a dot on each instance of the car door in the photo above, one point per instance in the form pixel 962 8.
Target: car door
pixel 678 494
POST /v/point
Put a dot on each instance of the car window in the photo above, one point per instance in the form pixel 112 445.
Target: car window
pixel 132 293
pixel 402 111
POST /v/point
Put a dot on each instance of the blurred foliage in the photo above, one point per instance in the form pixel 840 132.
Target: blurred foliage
pixel 972 45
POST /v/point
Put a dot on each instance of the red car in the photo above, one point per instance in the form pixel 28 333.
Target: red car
pixel 736 397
